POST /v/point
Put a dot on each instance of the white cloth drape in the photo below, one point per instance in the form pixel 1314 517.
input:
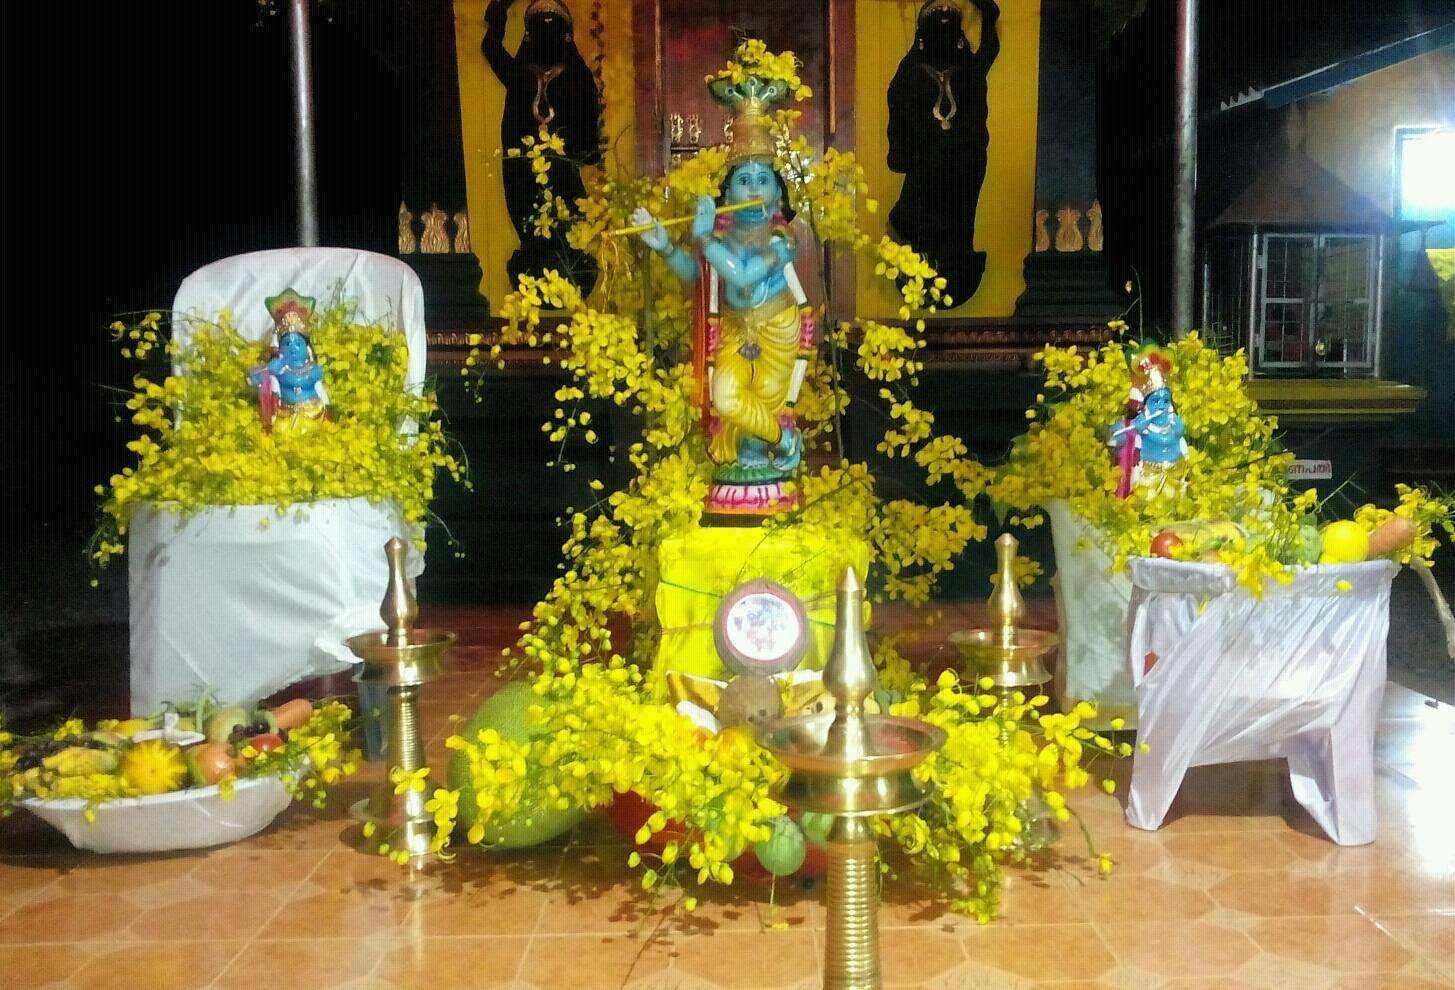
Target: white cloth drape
pixel 1298 674
pixel 220 601
pixel 1092 604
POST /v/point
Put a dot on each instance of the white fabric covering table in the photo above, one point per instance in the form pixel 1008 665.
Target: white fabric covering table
pixel 217 599
pixel 1092 604
pixel 1299 674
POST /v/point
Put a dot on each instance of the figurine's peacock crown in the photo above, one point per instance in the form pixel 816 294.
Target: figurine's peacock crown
pixel 751 104
pixel 1151 367
pixel 290 311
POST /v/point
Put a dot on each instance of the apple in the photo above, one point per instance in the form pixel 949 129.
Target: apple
pixel 209 763
pixel 1163 543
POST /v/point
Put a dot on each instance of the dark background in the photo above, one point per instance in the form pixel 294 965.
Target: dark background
pixel 145 140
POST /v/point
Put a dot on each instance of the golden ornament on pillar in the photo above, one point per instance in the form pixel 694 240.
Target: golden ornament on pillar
pixel 1094 238
pixel 407 243
pixel 435 240
pixel 462 233
pixel 854 766
pixel 1068 229
pixel 1043 236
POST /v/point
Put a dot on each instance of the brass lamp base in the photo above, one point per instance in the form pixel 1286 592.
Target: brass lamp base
pixel 853 766
pixel 402 659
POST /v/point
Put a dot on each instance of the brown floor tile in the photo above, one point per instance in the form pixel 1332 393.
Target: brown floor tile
pixel 1065 952
pixel 1052 898
pixel 93 874
pixel 301 964
pixel 1229 851
pixel 480 910
pixel 156 966
pixel 1397 892
pixel 1353 942
pixel 22 874
pixel 592 962
pixel 748 960
pixel 1431 935
pixel 69 918
pixel 450 964
pixel 244 868
pixel 908 956
pixel 1403 980
pixel 1177 949
pixel 32 967
pixel 229 915
pixel 1119 896
pixel 339 915
pixel 1275 894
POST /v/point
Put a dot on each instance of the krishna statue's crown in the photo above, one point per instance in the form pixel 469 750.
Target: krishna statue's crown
pixel 751 103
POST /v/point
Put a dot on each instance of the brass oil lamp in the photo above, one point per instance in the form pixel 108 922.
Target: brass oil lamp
pixel 401 659
pixel 1011 656
pixel 853 766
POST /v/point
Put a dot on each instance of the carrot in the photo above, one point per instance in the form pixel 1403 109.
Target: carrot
pixel 292 714
pixel 1392 536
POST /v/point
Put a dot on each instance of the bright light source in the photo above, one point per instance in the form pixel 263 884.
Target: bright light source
pixel 1426 165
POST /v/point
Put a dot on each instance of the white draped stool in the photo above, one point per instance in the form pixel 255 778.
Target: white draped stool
pixel 218 600
pixel 1298 674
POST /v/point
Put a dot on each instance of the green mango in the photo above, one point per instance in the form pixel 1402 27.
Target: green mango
pixel 783 852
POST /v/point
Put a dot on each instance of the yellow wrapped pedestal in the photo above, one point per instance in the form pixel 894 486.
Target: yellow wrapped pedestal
pixel 699 566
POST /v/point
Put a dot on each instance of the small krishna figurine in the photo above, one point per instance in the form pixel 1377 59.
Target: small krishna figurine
pixel 755 327
pixel 1151 438
pixel 291 394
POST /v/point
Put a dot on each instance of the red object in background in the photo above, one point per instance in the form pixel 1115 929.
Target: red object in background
pixel 266 742
pixel 1163 543
pixel 1147 663
pixel 629 813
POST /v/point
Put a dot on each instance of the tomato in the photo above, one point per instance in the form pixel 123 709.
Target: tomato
pixel 265 742
pixel 1163 543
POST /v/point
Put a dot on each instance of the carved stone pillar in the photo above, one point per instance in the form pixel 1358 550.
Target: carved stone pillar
pixel 1066 276
pixel 433 216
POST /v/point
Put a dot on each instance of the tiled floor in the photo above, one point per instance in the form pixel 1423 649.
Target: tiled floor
pixel 1239 889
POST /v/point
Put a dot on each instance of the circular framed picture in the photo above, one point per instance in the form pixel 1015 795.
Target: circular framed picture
pixel 761 628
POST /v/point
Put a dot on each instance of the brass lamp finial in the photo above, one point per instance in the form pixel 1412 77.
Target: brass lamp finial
pixel 1007 607
pixel 849 675
pixel 399 610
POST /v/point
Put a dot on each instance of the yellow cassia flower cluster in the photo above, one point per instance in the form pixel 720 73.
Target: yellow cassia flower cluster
pixel 1235 470
pixel 752 58
pixel 602 726
pixel 203 443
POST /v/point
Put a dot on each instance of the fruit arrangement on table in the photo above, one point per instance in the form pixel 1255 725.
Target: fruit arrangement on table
pixel 116 774
pixel 1343 541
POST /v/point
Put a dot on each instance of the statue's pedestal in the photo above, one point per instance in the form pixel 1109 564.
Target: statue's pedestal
pixel 697 567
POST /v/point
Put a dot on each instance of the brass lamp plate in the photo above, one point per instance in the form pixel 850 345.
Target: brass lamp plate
pixel 877 783
pixel 418 661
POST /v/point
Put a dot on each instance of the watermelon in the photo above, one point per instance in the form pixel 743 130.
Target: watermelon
pixel 505 711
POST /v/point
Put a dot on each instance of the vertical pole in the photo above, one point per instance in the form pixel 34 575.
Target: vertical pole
pixel 300 48
pixel 1184 169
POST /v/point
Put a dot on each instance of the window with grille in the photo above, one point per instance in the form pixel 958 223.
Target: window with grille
pixel 1317 305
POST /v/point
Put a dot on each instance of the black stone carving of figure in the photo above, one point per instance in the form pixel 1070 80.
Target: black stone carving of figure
pixel 938 138
pixel 547 84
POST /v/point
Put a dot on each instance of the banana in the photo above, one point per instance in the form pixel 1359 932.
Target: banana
pixel 80 761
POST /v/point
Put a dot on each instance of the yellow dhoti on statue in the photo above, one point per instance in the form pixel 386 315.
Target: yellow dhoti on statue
pixel 752 374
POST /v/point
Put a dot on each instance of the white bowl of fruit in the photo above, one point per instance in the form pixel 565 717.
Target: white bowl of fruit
pixel 158 785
